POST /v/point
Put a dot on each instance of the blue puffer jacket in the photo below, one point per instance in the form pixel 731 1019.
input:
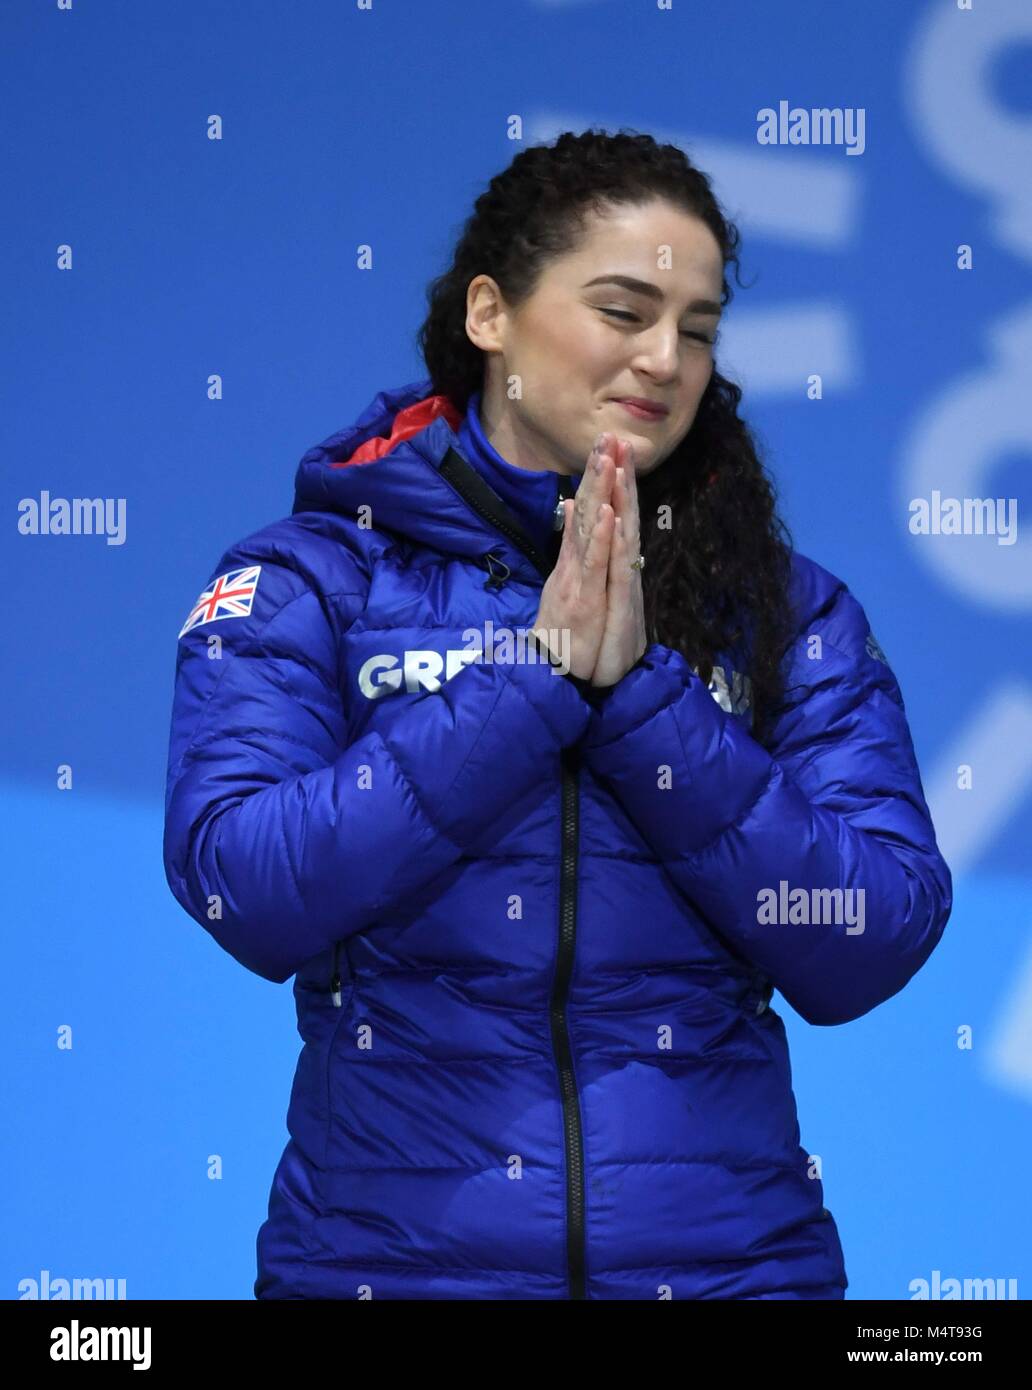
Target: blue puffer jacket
pixel 534 937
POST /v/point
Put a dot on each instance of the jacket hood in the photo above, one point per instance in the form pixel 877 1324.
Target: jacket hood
pixel 389 461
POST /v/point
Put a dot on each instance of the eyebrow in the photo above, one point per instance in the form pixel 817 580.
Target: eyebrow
pixel 627 282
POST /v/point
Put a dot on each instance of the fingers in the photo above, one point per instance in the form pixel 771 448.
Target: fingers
pixel 605 493
pixel 630 478
pixel 596 558
pixel 619 573
pixel 591 554
pixel 625 498
pixel 623 594
pixel 594 489
pixel 624 583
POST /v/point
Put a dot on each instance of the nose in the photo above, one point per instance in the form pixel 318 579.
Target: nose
pixel 658 352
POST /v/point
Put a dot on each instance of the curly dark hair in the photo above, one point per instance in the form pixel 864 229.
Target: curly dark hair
pixel 717 556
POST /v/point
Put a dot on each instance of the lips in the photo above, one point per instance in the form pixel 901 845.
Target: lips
pixel 655 409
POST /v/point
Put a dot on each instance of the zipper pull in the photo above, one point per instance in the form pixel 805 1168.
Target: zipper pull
pixel 495 581
pixel 564 489
pixel 335 982
pixel 766 989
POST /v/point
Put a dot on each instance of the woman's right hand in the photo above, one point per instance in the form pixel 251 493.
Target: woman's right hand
pixel 573 600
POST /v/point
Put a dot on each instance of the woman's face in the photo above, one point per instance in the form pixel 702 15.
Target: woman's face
pixel 576 346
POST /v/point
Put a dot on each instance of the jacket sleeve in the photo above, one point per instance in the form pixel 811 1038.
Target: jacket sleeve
pixel 836 803
pixel 280 836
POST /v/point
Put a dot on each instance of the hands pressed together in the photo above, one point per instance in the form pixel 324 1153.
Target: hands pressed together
pixel 594 593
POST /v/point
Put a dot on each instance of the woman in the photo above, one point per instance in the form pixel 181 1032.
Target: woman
pixel 536 894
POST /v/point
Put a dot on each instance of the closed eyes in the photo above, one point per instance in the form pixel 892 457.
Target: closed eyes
pixel 633 318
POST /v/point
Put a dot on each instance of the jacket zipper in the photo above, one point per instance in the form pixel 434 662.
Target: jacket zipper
pixel 471 486
pixel 475 491
pixel 575 1239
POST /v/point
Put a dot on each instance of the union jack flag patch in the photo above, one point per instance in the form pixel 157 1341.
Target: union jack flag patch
pixel 229 596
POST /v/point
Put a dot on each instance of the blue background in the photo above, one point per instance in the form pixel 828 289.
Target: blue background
pixel 191 256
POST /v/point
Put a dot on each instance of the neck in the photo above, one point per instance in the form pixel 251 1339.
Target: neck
pixel 501 432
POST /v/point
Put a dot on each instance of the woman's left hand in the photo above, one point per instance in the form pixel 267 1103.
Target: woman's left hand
pixel 624 638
